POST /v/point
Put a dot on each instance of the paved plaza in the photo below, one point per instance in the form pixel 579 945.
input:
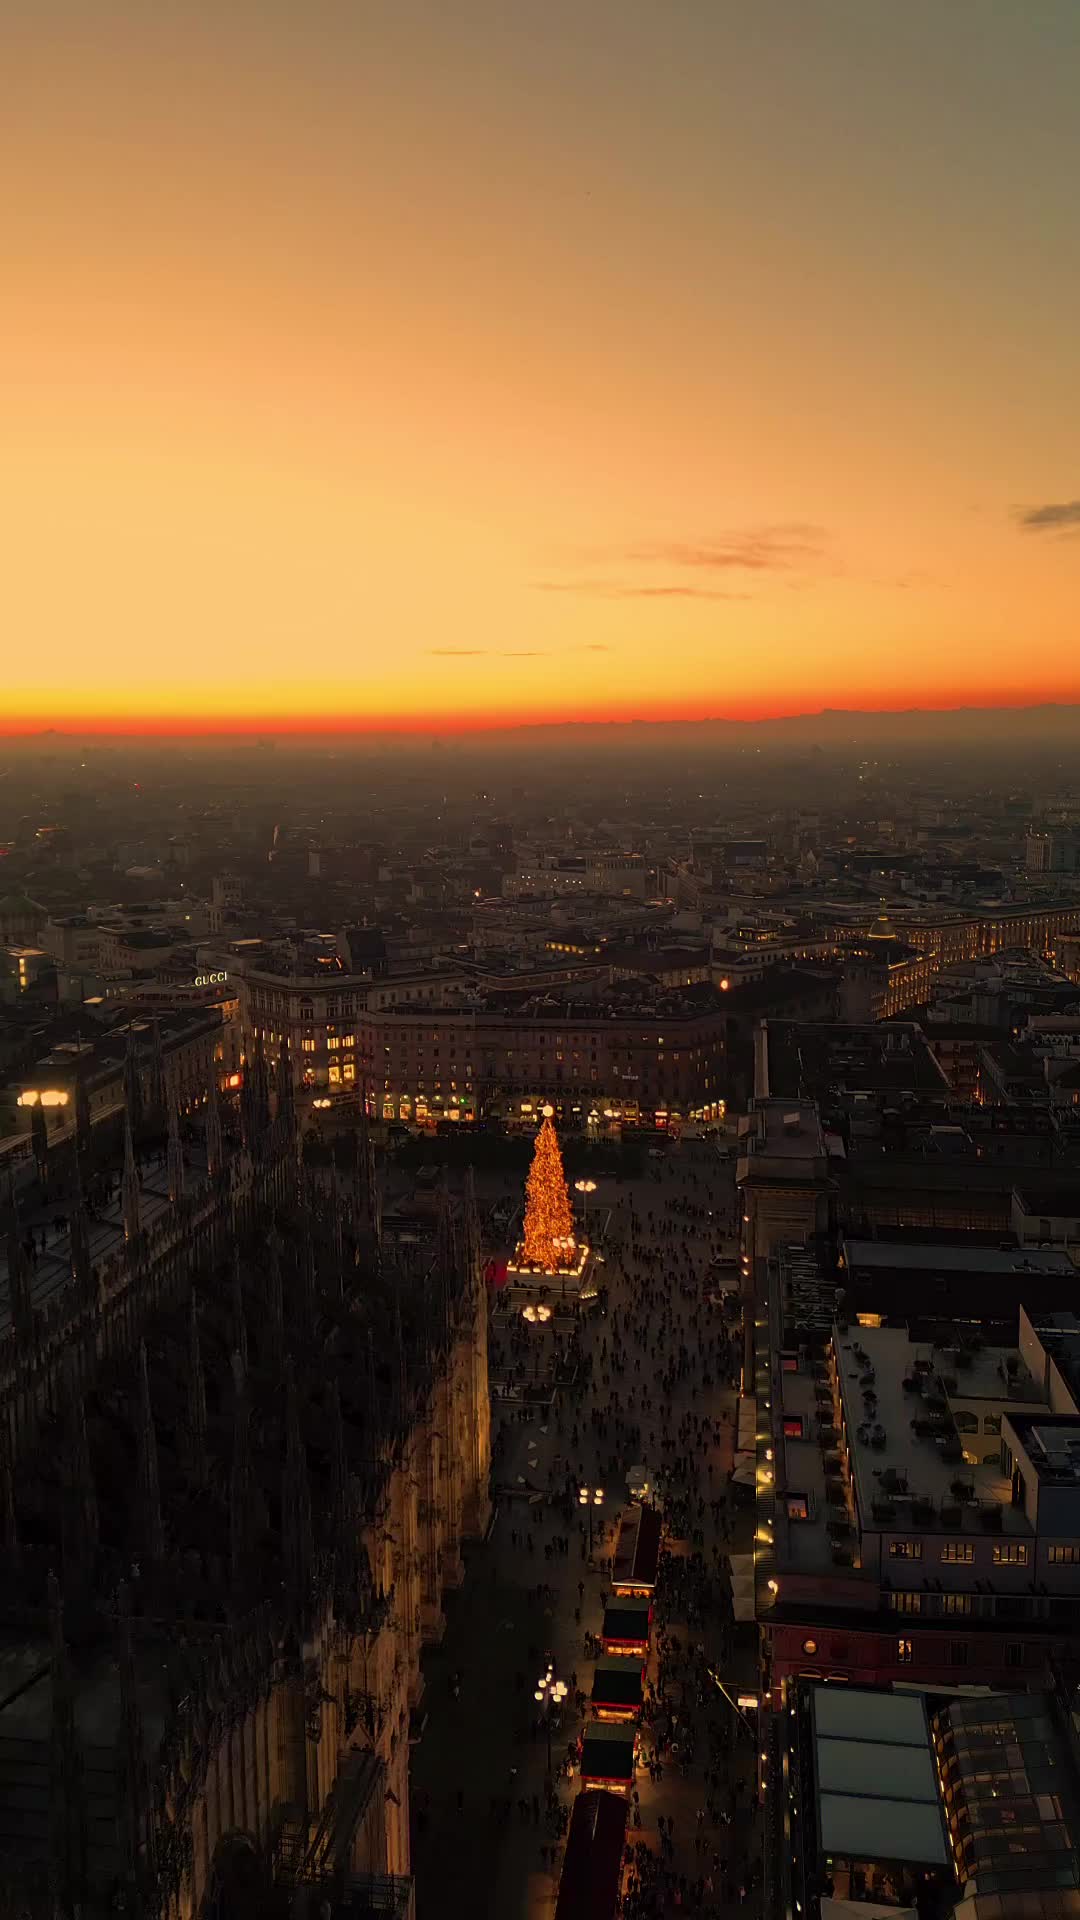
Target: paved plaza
pixel 652 1386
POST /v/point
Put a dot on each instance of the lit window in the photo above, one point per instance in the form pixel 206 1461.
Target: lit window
pixel 793 1426
pixel 956 1603
pixel 332 1040
pixel 903 1652
pixel 905 1549
pixel 334 1072
pixel 958 1553
pixel 1064 1556
pixel 349 1070
pixel 307 1046
pixel 798 1506
pixel 1013 1554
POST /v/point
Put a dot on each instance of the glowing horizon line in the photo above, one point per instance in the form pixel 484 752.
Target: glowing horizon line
pixel 749 713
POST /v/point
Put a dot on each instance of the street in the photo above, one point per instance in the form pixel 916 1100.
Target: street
pixel 655 1386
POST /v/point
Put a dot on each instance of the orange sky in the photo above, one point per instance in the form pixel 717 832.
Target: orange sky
pixel 427 364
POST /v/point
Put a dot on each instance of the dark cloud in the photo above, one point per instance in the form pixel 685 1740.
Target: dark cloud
pixel 1057 516
pixel 632 590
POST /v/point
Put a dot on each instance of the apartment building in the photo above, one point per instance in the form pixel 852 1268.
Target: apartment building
pixel 918 1506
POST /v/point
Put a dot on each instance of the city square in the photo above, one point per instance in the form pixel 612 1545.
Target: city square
pixel 654 1381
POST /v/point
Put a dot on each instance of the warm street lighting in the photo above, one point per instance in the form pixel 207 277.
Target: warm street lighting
pixel 590 1497
pixel 553 1692
pixel 585 1187
pixel 537 1315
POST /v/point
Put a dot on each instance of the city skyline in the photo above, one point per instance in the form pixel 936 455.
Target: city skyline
pixel 426 369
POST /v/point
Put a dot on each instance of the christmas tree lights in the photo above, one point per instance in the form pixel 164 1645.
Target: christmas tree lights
pixel 548 1239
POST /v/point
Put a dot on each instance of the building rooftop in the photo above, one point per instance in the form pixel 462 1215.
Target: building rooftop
pixel 877 1792
pixel 908 1421
pixel 956 1257
pixel 817 1062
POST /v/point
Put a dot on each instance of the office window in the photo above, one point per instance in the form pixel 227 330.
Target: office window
pixel 1064 1556
pixel 958 1553
pixel 905 1549
pixel 906 1602
pixel 956 1603
pixel 903 1652
pixel 1013 1554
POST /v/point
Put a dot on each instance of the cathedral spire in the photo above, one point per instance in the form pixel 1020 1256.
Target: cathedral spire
pixel 67 1839
pixel 158 1098
pixel 366 1190
pixel 133 1099
pixel 175 1156
pixel 20 1296
pixel 151 1530
pixel 308 1264
pixel 296 1504
pixel 130 1743
pixel 83 1122
pixel 275 1300
pixel 283 1088
pixel 215 1156
pixel 129 1186
pixel 240 1475
pixel 445 1261
pixel 80 1517
pixel 239 1323
pixel 9 1525
pixel 82 1268
pixel 196 1386
pixel 339 1461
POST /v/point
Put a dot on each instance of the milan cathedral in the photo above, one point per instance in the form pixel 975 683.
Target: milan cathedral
pixel 243 1440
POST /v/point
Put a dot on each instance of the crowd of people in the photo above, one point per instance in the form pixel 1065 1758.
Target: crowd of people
pixel 654 1378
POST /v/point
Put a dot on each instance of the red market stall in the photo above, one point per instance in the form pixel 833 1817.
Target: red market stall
pixel 591 1875
pixel 637 1551
pixel 627 1623
pixel 607 1756
pixel 618 1688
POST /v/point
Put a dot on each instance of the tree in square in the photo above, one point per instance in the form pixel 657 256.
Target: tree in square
pixel 548 1239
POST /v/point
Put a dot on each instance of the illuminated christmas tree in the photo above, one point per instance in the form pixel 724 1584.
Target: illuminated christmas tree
pixel 548 1239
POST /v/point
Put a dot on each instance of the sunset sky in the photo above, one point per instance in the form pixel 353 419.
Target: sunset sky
pixel 425 362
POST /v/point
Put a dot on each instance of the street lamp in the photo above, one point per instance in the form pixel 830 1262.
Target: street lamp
pixel 590 1497
pixel 585 1187
pixel 550 1693
pixel 536 1316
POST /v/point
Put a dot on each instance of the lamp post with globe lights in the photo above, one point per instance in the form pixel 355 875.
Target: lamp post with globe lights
pixel 537 1315
pixel 550 1694
pixel 585 1187
pixel 590 1497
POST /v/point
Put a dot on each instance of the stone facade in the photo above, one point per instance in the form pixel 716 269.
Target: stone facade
pixel 243 1450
